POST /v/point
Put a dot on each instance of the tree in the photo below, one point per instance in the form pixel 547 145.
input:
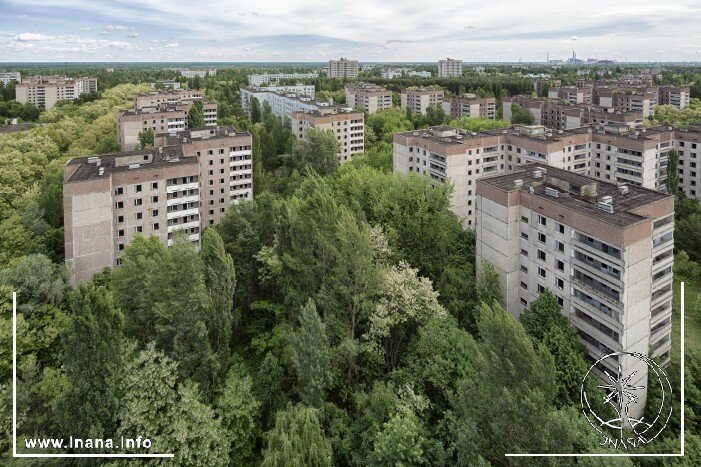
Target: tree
pixel 297 440
pixel 195 118
pixel 220 280
pixel 318 149
pixel 238 411
pixel 673 172
pixel 310 355
pixel 146 137
pixel 405 301
pixel 399 443
pixel 521 115
pixel 255 110
pixel 92 362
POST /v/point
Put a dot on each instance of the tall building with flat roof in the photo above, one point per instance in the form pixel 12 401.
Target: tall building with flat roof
pixel 469 105
pixel 169 117
pixel 8 76
pixel 368 97
pixel 449 67
pixel 347 125
pixel 45 91
pixel 604 250
pixel 258 80
pixel 418 100
pixel 343 68
pixel 283 100
pixel 186 183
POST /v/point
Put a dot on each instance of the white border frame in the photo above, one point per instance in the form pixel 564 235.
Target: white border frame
pixel 14 404
pixel 681 454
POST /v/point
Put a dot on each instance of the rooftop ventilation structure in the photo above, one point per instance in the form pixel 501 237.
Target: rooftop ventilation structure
pixel 537 173
pixel 531 190
pixel 134 166
pixel 552 192
pixel 518 183
pixel 101 171
pixel 623 189
pixel 606 199
pixel 604 207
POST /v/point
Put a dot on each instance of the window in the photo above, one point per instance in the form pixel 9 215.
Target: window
pixel 560 228
pixel 541 272
pixel 137 188
pixel 211 172
pixel 559 265
pixel 154 199
pixel 138 229
pixel 524 302
pixel 524 269
pixel 155 226
pixel 120 233
pixel 524 252
pixel 154 213
pixel 542 237
pixel 524 286
pixel 524 235
pixel 541 255
pixel 120 247
pixel 120 219
pixel 119 191
pixel 541 289
pixel 542 220
pixel 119 205
pixel 560 246
pixel 154 185
pixel 559 283
pixel 139 216
pixel 524 219
pixel 560 301
pixel 138 202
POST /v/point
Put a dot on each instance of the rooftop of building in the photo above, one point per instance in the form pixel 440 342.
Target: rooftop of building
pixel 367 87
pixel 331 110
pixel 204 132
pixel 103 165
pixel 579 192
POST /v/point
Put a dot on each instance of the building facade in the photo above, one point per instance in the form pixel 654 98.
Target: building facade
pixel 187 73
pixel 8 76
pixel 604 250
pixel 347 125
pixel 343 68
pixel 561 116
pixel 417 100
pixel 259 80
pixel 283 101
pixel 449 67
pixel 469 105
pixel 45 91
pixel 368 97
pixel 610 153
pixel 184 184
pixel 165 117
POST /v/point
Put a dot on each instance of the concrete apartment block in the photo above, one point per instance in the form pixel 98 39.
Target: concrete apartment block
pixel 368 97
pixel 469 105
pixel 347 125
pixel 185 183
pixel 419 99
pixel 8 76
pixel 604 250
pixel 45 91
pixel 449 67
pixel 258 80
pixel 343 68
pixel 283 100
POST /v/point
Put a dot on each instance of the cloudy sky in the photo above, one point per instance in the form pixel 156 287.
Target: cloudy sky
pixel 366 30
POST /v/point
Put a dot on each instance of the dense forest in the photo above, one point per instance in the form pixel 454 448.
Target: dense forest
pixel 336 319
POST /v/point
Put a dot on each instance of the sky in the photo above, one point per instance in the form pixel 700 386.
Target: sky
pixel 365 30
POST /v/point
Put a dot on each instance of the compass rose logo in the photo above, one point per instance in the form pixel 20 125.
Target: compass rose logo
pixel 620 394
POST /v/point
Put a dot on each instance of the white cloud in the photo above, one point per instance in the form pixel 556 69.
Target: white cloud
pixel 133 34
pixel 170 45
pixel 33 37
pixel 84 29
pixel 22 16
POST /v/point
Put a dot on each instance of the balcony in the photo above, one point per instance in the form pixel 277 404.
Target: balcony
pixel 598 290
pixel 183 187
pixel 182 200
pixel 183 213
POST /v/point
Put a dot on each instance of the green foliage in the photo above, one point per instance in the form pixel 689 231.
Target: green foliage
pixel 255 110
pixel 297 440
pixel 477 124
pixel 318 150
pixel 92 361
pixel 521 115
pixel 195 118
pixel 238 411
pixel 147 136
pixel 310 355
pixel 220 281
pixel 685 269
pixel 672 172
pixel 399 443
